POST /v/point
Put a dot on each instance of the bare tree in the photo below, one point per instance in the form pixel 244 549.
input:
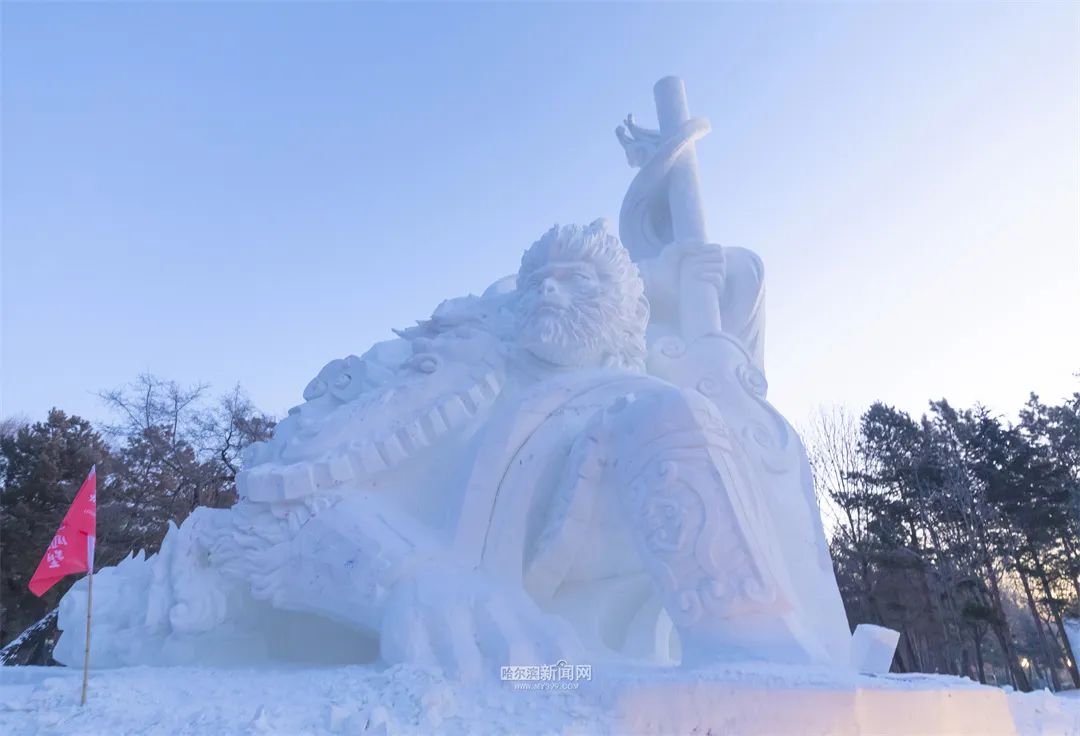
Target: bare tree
pixel 10 426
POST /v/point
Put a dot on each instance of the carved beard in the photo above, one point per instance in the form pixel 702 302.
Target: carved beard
pixel 571 337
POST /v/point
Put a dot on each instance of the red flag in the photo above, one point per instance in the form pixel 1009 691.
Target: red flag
pixel 72 546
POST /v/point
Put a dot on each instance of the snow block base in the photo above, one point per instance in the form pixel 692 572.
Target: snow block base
pixel 892 707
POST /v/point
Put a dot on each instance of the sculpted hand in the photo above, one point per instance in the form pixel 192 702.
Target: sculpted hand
pixel 664 274
pixel 462 623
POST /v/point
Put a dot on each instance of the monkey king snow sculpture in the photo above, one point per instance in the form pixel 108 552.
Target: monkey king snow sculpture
pixel 580 463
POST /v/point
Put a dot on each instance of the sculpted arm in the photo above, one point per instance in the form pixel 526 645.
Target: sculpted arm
pixel 737 276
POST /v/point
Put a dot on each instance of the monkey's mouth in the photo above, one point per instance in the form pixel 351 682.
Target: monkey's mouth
pixel 550 308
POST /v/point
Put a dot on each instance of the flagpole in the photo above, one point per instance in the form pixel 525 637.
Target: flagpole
pixel 61 560
pixel 89 607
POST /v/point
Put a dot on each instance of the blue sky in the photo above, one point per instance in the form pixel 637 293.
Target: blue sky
pixel 231 192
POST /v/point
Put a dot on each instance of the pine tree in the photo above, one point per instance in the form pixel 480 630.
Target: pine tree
pixel 43 466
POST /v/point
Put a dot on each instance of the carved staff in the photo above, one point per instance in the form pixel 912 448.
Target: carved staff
pixel 699 302
pixel 663 203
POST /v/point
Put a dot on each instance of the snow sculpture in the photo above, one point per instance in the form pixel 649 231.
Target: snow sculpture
pixel 548 468
pixel 1072 632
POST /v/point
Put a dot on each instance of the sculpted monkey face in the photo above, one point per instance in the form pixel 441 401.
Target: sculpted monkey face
pixel 561 313
pixel 580 301
pixel 554 288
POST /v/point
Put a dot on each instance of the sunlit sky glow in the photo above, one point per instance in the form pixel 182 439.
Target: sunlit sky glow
pixel 233 192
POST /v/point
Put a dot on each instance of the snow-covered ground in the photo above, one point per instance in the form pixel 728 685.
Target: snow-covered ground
pixel 351 700
pixel 344 700
pixel 1044 713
